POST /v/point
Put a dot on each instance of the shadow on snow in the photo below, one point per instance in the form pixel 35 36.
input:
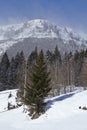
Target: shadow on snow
pixel 60 98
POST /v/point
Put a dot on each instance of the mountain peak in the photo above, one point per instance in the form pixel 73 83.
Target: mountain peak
pixel 38 28
pixel 38 21
pixel 42 30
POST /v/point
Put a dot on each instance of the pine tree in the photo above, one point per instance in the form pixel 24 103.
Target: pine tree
pixel 13 70
pixel 11 74
pixel 21 73
pixel 32 58
pixel 49 57
pixel 57 55
pixel 57 69
pixel 37 87
pixel 4 65
pixel 78 62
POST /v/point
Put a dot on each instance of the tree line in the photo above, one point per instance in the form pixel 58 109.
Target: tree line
pixel 66 70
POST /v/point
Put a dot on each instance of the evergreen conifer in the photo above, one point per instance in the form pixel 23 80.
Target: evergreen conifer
pixel 37 87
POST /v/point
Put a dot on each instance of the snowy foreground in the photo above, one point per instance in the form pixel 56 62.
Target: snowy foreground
pixel 62 113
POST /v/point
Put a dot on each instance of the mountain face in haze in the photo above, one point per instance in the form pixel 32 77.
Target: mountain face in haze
pixel 41 33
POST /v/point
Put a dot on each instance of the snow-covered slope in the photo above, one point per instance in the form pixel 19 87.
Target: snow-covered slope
pixel 62 113
pixel 40 29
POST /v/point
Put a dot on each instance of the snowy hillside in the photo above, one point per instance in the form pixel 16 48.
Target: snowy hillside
pixel 39 33
pixel 62 113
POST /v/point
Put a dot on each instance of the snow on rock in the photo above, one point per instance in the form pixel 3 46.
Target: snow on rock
pixel 34 28
pixel 62 113
pixel 4 99
pixel 37 28
pixel 12 34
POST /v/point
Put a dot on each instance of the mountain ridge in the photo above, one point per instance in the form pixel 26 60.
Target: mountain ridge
pixel 12 35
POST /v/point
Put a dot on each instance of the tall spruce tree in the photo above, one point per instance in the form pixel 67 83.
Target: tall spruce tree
pixel 37 87
pixel 4 65
pixel 21 74
pixel 13 71
pixel 32 58
pixel 11 74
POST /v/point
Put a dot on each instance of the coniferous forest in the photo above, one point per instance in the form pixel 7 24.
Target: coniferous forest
pixel 66 71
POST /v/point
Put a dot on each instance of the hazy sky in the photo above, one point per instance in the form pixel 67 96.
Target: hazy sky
pixel 72 13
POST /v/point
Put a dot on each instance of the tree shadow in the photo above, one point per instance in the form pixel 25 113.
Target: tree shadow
pixel 57 99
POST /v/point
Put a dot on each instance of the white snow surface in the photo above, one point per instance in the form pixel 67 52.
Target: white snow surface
pixel 62 113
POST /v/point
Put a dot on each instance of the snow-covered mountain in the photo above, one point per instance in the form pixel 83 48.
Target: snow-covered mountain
pixel 41 33
pixel 62 113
